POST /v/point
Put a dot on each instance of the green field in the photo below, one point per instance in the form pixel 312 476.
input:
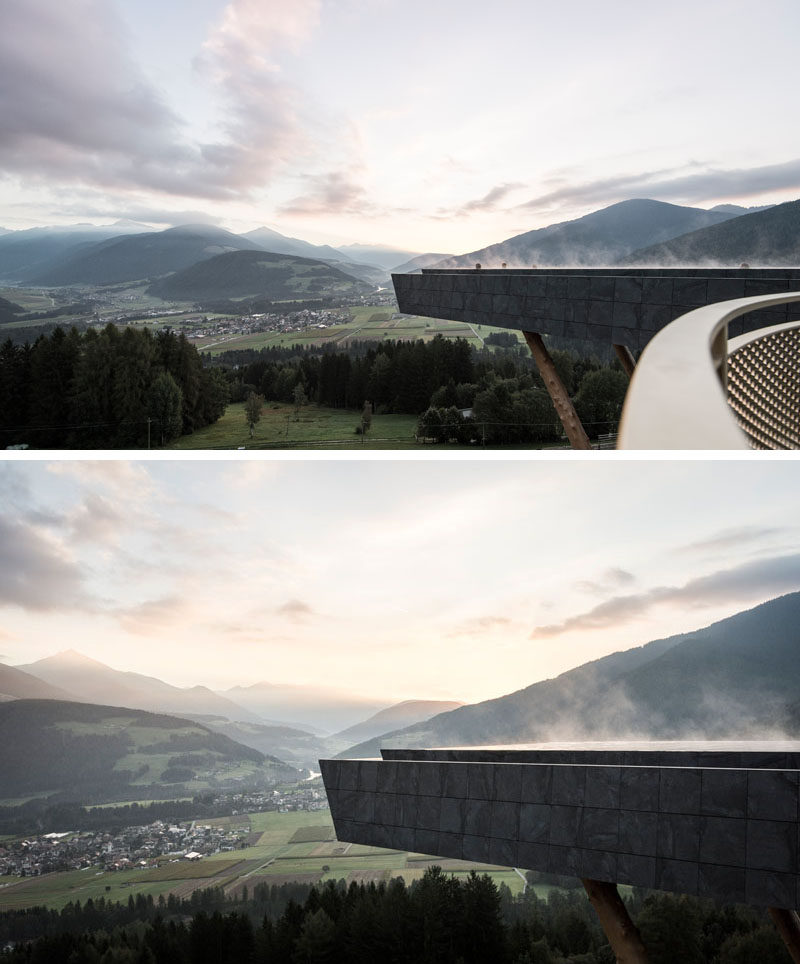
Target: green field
pixel 275 858
pixel 368 323
pixel 317 426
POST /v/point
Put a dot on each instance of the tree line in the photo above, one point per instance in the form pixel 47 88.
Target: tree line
pixel 439 919
pixel 437 381
pixel 109 388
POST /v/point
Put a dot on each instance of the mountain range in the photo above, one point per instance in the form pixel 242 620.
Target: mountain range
pixel 263 716
pixel 764 237
pixel 128 252
pixel 734 679
pixel 598 239
pixel 638 231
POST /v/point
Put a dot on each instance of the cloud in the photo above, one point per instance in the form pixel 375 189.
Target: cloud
pixel 295 609
pixel 252 474
pixel 152 617
pixel 733 538
pixel 490 200
pixel 37 574
pixel 74 104
pixel 713 184
pixel 127 481
pixel 480 625
pixel 333 193
pixel 76 107
pixel 96 520
pixel 750 581
pixel 610 579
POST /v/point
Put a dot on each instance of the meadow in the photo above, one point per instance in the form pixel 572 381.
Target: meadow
pixel 314 425
pixel 277 848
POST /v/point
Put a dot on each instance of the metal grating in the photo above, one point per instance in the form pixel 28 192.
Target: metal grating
pixel 764 389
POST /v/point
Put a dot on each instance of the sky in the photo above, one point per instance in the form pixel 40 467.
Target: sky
pixel 440 126
pixel 389 579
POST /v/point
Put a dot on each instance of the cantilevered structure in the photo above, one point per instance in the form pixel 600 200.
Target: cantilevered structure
pixel 717 820
pixel 627 308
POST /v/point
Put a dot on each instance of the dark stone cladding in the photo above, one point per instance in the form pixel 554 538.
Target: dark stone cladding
pixel 719 823
pixel 624 306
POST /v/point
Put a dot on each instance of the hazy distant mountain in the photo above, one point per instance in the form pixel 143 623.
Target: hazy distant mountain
pixel 400 715
pixel 766 237
pixel 294 746
pixel 94 682
pixel 25 254
pixel 737 209
pixel 143 256
pixel 421 261
pixel 597 239
pixel 88 753
pixel 243 274
pixel 18 685
pixel 270 240
pixel 735 679
pixel 326 709
pixel 380 254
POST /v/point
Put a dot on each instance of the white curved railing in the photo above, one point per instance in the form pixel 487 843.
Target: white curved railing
pixel 677 398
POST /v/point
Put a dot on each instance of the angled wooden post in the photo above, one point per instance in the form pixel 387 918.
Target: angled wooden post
pixel 788 924
pixel 563 403
pixel 626 358
pixel 622 933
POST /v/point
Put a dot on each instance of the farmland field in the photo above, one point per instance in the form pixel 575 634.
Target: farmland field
pixel 280 855
pixel 368 323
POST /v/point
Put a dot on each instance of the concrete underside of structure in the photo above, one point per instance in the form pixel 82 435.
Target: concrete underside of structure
pixel 611 306
pixel 712 820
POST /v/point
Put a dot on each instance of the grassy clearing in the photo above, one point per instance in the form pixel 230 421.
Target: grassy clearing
pixel 129 803
pixel 29 300
pixel 239 822
pixel 182 870
pixel 56 890
pixel 319 834
pixel 317 427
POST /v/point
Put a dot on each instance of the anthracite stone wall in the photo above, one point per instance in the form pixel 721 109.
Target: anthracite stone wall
pixel 624 306
pixel 702 828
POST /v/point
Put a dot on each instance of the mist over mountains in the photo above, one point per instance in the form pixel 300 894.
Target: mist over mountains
pixel 734 679
pixel 638 231
pixel 766 237
pixel 595 240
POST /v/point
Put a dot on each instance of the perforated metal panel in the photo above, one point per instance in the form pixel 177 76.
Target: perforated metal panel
pixel 764 389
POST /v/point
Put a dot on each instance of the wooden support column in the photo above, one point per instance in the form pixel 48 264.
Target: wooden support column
pixel 560 396
pixel 625 356
pixel 788 924
pixel 622 934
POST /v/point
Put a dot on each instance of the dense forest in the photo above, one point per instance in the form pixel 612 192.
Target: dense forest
pixel 128 388
pixel 114 388
pixel 437 920
pixel 437 380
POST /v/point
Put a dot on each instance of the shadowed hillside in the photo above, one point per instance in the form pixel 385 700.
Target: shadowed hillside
pixel 770 237
pixel 243 274
pixel 86 752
